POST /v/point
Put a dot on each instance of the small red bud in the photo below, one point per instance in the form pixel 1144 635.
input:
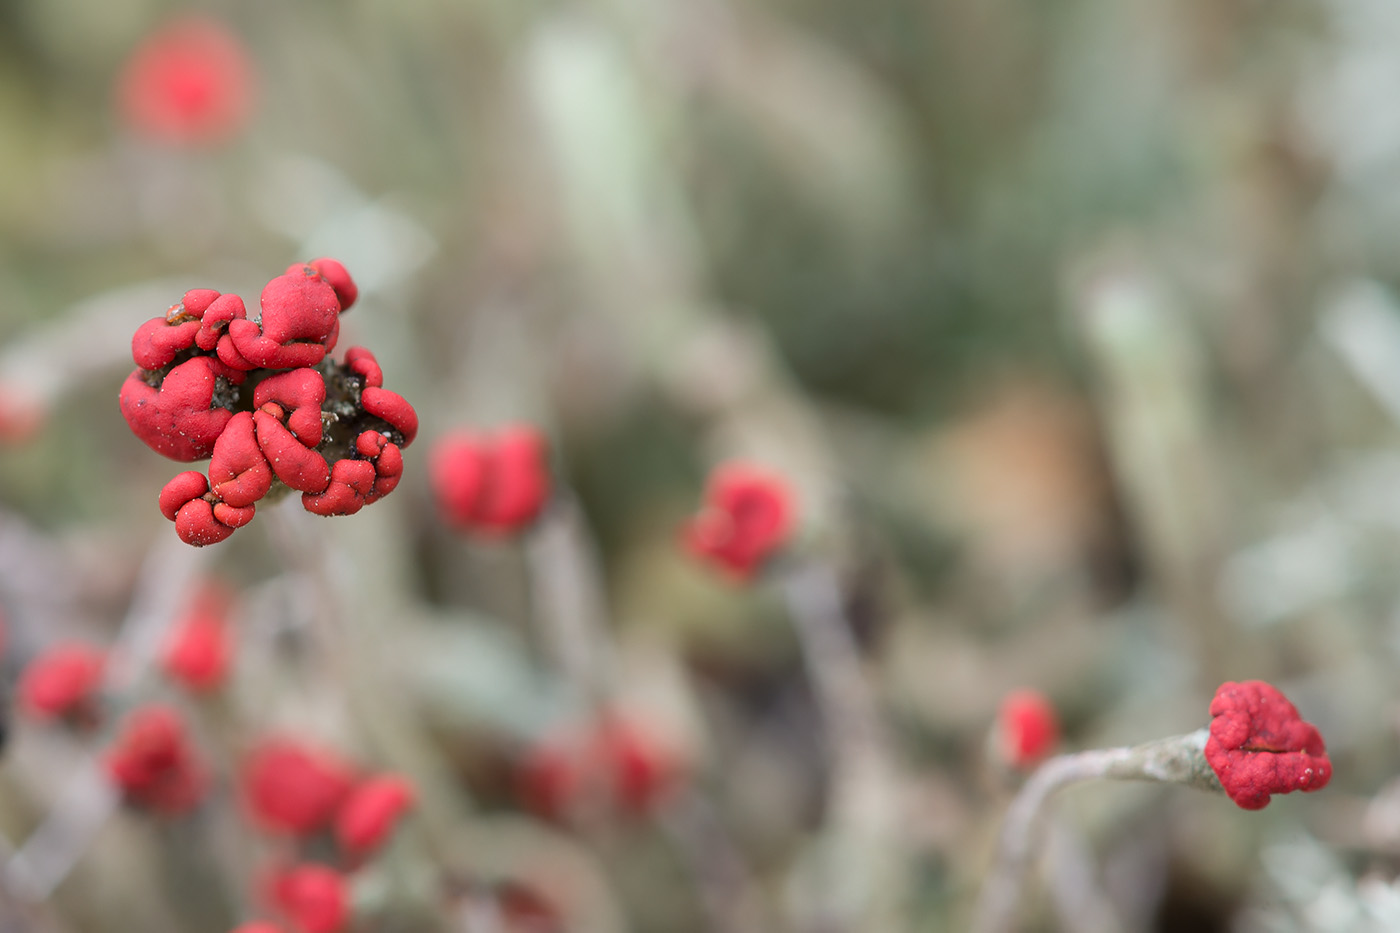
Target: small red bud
pixel 201 644
pixel 494 485
pixel 315 898
pixel 152 763
pixel 1027 728
pixel 745 519
pixel 370 814
pixel 62 681
pixel 294 788
pixel 189 83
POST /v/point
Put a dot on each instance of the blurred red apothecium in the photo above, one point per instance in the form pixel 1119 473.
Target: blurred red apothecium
pixel 61 681
pixel 371 813
pixel 746 517
pixel 153 764
pixel 294 788
pixel 1027 728
pixel 314 898
pixel 189 83
pixel 493 484
pixel 1260 746
pixel 617 762
pixel 200 647
pixel 258 928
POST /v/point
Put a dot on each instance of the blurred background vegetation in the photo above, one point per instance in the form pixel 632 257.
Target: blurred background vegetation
pixel 1074 325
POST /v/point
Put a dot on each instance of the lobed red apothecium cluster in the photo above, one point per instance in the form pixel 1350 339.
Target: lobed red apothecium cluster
pixel 266 403
pixel 1260 746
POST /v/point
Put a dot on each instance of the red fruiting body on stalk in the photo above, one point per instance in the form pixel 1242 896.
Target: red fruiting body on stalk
pixel 746 517
pixel 21 414
pixel 331 432
pixel 61 682
pixel 1259 745
pixel 315 898
pixel 494 485
pixel 370 814
pixel 294 788
pixel 152 763
pixel 1027 728
pixel 188 83
pixel 200 647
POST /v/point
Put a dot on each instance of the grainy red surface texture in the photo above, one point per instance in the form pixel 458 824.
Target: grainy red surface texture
pixel 1260 746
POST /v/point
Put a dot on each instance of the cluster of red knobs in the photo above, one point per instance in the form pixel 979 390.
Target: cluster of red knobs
pixel 264 400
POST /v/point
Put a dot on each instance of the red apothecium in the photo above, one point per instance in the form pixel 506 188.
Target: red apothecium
pixel 492 484
pixel 746 517
pixel 189 83
pixel 1260 746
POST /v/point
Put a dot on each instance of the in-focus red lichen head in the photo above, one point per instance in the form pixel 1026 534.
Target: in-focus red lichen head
pixel 1027 728
pixel 294 788
pixel 62 682
pixel 314 898
pixel 263 400
pixel 188 83
pixel 152 763
pixel 200 647
pixel 371 813
pixel 746 517
pixel 1259 745
pixel 491 484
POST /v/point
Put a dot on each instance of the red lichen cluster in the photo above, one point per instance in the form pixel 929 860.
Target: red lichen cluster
pixel 1027 728
pixel 617 764
pixel 1259 745
pixel 153 764
pixel 490 484
pixel 294 789
pixel 266 403
pixel 62 683
pixel 188 83
pixel 747 516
